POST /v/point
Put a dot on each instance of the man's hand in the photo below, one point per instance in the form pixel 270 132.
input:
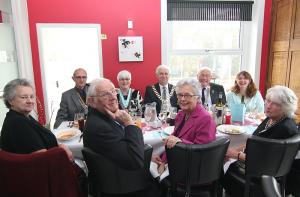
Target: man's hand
pixel 156 159
pixel 171 141
pixel 120 116
pixel 161 168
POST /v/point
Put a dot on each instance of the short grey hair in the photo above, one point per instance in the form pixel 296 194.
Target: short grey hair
pixel 190 82
pixel 204 68
pixel 9 92
pixel 94 83
pixel 161 67
pixel 124 74
pixel 284 96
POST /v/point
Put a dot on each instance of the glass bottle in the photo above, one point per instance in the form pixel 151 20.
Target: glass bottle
pixel 219 110
pixel 227 115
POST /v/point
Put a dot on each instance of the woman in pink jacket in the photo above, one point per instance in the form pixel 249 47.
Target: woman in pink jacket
pixel 193 124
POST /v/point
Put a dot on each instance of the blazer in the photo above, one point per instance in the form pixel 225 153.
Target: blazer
pixel 151 97
pixel 123 145
pixel 69 105
pixel 215 89
pixel 199 128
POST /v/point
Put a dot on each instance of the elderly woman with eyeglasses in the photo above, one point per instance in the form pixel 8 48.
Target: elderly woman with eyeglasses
pixel 280 108
pixel 193 124
pixel 128 97
pixel 21 133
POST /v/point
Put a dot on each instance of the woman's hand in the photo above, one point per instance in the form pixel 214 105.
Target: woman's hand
pixel 171 141
pixel 232 153
pixel 69 153
pixel 235 153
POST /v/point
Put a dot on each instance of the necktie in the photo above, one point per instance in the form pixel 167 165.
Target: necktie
pixel 164 93
pixel 203 96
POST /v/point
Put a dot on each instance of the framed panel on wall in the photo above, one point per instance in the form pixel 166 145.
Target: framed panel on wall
pixel 130 48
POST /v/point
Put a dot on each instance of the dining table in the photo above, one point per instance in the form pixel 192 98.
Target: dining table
pixel 155 136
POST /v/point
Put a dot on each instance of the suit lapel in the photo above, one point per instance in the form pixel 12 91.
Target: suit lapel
pixel 213 93
pixel 186 127
pixel 170 86
pixel 190 122
pixel 75 98
pixel 157 88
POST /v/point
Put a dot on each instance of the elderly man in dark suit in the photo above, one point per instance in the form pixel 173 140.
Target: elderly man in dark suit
pixel 74 100
pixel 110 131
pixel 209 91
pixel 161 92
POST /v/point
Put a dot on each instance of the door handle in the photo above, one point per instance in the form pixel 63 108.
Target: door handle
pixel 57 84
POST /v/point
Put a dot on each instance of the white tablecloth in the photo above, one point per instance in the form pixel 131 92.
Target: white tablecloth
pixel 154 138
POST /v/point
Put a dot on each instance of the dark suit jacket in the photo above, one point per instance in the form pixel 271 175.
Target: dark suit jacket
pixel 215 89
pixel 69 105
pixel 124 146
pixel 151 97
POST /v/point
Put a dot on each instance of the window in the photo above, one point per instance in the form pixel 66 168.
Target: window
pixel 216 44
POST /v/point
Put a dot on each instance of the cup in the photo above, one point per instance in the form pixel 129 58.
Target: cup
pixel 79 120
pixel 138 121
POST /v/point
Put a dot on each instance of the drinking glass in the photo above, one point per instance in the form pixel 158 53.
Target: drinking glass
pixel 148 116
pixel 79 120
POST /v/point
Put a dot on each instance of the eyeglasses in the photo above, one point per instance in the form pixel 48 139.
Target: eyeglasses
pixel 271 103
pixel 124 79
pixel 187 96
pixel 26 97
pixel 80 77
pixel 106 94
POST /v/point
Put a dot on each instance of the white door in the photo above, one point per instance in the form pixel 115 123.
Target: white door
pixel 62 49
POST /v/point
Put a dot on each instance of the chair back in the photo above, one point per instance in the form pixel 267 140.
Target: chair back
pixel 107 177
pixel 270 156
pixel 48 173
pixel 193 164
pixel 270 186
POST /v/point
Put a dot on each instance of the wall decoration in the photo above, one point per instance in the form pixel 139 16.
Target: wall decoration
pixel 130 48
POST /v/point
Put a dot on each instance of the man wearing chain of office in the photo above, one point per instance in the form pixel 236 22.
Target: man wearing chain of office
pixel 162 93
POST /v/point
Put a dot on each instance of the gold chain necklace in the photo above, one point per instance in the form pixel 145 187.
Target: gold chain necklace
pixel 159 96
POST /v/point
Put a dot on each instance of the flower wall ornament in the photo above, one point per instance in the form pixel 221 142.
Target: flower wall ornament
pixel 130 48
pixel 42 115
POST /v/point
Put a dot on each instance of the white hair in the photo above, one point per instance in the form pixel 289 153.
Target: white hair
pixel 284 96
pixel 124 74
pixel 204 68
pixel 162 67
pixel 190 82
pixel 94 83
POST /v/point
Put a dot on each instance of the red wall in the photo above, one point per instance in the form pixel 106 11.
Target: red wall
pixel 113 16
pixel 265 46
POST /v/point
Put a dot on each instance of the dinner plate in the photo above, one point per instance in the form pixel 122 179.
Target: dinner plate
pixel 67 134
pixel 169 130
pixel 231 129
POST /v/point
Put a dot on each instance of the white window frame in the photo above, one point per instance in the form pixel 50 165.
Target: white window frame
pixel 251 39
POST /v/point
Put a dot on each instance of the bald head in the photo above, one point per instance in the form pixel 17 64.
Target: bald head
pixel 79 77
